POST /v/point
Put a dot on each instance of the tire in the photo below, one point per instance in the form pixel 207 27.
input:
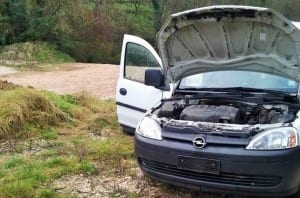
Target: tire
pixel 128 131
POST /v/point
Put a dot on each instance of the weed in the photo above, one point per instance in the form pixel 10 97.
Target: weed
pixel 98 125
pixel 48 134
pixel 133 195
pixel 47 193
pixel 80 150
pixel 114 154
pixel 64 102
pixel 14 162
pixel 21 188
pixel 55 162
pixel 88 168
pixel 32 171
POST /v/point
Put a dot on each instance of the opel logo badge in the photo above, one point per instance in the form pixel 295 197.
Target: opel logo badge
pixel 199 142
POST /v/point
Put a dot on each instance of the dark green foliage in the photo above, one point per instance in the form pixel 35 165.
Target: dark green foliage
pixel 92 31
pixel 158 12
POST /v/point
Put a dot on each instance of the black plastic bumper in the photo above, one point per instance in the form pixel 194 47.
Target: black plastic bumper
pixel 259 173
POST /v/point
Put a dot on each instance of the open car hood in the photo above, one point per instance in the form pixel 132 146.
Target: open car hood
pixel 229 38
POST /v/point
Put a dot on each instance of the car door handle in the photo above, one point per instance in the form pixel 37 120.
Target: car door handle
pixel 123 91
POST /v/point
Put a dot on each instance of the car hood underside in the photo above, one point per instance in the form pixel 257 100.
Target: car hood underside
pixel 229 38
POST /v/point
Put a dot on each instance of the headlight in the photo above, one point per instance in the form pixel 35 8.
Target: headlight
pixel 274 139
pixel 149 128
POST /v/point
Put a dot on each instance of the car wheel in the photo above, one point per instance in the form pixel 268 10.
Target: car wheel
pixel 128 131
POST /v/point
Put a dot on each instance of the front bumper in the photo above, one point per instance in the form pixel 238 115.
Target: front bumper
pixel 259 173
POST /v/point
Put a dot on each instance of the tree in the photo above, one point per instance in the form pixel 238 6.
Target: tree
pixel 158 12
pixel 137 4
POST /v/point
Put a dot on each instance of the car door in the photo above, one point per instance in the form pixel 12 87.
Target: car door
pixel 133 97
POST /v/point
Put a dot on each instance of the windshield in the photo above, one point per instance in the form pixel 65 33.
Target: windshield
pixel 228 79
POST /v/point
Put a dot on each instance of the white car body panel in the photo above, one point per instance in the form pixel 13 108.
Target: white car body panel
pixel 219 38
pixel 139 97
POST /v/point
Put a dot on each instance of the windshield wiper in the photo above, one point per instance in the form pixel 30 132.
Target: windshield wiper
pixel 258 90
pixel 242 90
pixel 227 91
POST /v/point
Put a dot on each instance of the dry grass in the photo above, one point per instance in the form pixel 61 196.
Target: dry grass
pixel 22 109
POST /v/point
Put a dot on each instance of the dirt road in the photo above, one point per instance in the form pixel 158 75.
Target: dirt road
pixel 97 79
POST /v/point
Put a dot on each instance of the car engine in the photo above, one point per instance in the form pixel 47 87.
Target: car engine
pixel 231 112
pixel 211 113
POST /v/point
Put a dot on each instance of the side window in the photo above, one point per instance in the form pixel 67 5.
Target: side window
pixel 137 60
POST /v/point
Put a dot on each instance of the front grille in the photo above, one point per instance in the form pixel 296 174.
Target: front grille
pixel 242 180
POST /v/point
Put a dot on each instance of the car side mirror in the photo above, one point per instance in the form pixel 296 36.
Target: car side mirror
pixel 154 77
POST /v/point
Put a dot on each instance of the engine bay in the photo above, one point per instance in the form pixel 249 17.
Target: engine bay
pixel 226 111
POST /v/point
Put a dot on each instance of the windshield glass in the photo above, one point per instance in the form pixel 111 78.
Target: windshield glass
pixel 227 79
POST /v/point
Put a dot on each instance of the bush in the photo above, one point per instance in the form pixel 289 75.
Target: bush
pixel 31 53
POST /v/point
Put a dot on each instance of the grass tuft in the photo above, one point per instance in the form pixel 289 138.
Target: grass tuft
pixel 49 134
pixel 21 188
pixel 48 193
pixel 13 162
pixel 23 109
pixel 88 168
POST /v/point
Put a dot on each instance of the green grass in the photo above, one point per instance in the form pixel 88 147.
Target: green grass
pixel 28 117
pixel 49 134
pixel 88 168
pixel 13 162
pixel 24 178
pixel 63 102
pixel 47 53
